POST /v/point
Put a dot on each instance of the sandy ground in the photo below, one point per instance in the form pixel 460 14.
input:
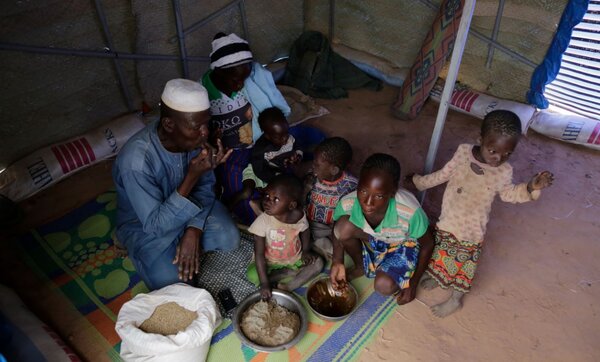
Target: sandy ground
pixel 536 292
pixel 537 287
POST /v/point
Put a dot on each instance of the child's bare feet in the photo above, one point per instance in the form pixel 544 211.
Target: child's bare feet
pixel 279 274
pixel 427 282
pixel 306 273
pixel 283 286
pixel 120 250
pixel 324 247
pixel 448 307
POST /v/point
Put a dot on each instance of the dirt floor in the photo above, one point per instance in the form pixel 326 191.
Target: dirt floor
pixel 537 287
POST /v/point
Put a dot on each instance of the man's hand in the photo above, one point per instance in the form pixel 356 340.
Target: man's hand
pixel 188 254
pixel 540 181
pixel 337 275
pixel 406 295
pixel 220 155
pixel 209 158
pixel 201 163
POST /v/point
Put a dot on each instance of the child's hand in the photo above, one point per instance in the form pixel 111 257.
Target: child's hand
pixel 297 158
pixel 309 179
pixel 245 194
pixel 408 182
pixel 265 291
pixel 292 160
pixel 540 181
pixel 308 258
pixel 338 275
pixel 406 295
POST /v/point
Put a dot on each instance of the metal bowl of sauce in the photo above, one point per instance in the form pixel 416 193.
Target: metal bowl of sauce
pixel 328 304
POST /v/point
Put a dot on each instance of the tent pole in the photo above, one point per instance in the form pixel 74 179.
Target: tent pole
pixel 190 29
pixel 244 21
pixel 181 36
pixel 490 41
pixel 95 53
pixel 331 19
pixel 116 62
pixel 488 62
pixel 457 52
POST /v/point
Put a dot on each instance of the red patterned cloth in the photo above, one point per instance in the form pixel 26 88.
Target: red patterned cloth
pixel 453 262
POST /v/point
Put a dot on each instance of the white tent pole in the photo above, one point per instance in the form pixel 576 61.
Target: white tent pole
pixel 457 52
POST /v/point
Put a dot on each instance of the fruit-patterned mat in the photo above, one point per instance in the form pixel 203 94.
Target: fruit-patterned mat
pixel 77 257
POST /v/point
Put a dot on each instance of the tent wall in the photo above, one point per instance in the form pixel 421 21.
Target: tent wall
pixel 273 25
pixel 48 98
pixel 394 30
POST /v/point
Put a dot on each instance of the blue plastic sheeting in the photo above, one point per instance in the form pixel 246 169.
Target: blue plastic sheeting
pixel 308 138
pixel 547 71
pixel 15 345
pixel 376 73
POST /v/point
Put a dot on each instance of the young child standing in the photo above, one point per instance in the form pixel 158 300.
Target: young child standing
pixel 384 230
pixel 475 175
pixel 273 153
pixel 282 239
pixel 328 182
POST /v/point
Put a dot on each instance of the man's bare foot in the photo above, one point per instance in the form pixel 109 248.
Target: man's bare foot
pixel 448 307
pixel 355 273
pixel 120 252
pixel 427 282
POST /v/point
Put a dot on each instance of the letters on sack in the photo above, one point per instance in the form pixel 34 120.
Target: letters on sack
pixel 477 104
pixel 50 164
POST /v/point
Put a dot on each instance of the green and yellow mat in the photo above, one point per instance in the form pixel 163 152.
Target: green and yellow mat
pixel 76 255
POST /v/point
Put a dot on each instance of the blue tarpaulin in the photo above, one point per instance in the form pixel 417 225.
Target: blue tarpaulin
pixel 547 71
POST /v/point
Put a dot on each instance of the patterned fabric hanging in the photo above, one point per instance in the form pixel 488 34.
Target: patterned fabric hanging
pixel 436 49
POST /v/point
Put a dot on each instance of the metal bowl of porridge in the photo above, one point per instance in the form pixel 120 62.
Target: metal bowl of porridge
pixel 282 298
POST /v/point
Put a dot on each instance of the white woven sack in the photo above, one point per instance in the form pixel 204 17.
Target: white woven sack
pixel 50 164
pixel 26 337
pixel 191 344
pixel 478 104
pixel 569 128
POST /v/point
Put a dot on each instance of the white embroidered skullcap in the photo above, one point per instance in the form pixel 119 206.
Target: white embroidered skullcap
pixel 184 95
pixel 229 51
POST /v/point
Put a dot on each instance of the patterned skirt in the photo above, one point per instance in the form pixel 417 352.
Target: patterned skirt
pixel 453 262
pixel 398 260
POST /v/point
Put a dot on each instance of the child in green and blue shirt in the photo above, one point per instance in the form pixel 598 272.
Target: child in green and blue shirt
pixel 384 230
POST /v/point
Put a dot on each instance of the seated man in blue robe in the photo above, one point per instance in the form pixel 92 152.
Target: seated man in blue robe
pixel 167 211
